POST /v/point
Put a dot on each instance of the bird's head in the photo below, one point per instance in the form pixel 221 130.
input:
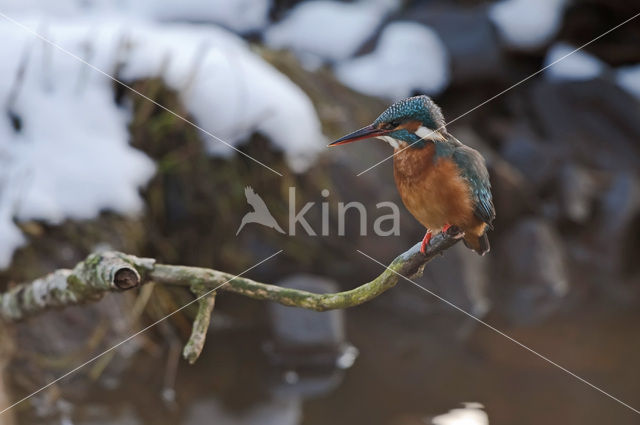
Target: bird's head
pixel 410 122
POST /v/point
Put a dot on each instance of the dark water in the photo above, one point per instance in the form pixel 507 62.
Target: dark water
pixel 413 369
pixel 410 367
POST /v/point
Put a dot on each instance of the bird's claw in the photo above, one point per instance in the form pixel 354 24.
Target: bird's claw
pixel 453 231
pixel 425 242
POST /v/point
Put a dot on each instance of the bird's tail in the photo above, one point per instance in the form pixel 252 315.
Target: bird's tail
pixel 479 244
pixel 485 247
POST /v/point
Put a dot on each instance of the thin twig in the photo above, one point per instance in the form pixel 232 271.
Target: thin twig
pixel 206 302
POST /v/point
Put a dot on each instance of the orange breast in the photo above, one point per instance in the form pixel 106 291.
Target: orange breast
pixel 434 192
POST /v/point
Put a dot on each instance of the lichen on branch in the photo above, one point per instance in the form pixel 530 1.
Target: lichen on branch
pixel 98 274
pixel 105 272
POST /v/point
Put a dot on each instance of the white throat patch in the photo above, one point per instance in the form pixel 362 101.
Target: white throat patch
pixel 393 142
pixel 426 133
pixel 422 132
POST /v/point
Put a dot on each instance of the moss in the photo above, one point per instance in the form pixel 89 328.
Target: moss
pixel 75 284
pixel 93 260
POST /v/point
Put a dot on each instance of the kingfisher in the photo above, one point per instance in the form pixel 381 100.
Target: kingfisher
pixel 442 182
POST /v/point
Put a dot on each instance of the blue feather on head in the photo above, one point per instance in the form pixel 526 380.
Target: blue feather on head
pixel 418 108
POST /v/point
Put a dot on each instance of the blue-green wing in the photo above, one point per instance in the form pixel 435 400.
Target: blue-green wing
pixel 473 168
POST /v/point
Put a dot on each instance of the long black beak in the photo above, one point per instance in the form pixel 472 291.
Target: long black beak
pixel 363 133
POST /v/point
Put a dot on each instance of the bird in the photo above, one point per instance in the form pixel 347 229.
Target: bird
pixel 442 182
pixel 260 213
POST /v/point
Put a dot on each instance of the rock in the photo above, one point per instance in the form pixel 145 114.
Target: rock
pixel 512 193
pixel 615 243
pixel 535 159
pixel 584 19
pixel 577 191
pixel 270 412
pixel 308 349
pixel 533 270
pixel 57 341
pixel 594 122
pixel 295 328
pixel 513 196
pixel 459 276
pixel 475 53
pixel 102 415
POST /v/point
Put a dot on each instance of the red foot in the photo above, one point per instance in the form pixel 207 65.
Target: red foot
pixel 425 242
pixel 445 228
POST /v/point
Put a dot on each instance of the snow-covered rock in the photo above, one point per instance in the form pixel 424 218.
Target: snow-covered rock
pixel 527 24
pixel 628 77
pixel 327 30
pixel 409 57
pixel 10 236
pixel 70 156
pixel 66 155
pixel 563 65
pixel 230 91
pixel 236 15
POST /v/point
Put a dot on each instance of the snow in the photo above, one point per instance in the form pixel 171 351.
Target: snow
pixel 71 158
pixel 578 66
pixel 327 30
pixel 10 235
pixel 409 57
pixel 254 96
pixel 470 414
pixel 237 15
pixel 527 24
pixel 628 77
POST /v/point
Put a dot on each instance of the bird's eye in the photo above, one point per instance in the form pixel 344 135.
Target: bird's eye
pixel 392 124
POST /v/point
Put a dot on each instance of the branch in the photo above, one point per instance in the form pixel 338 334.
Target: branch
pixel 206 301
pixel 88 281
pixel 105 272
